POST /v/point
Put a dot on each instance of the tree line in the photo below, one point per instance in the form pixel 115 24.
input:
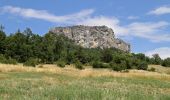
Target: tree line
pixel 32 49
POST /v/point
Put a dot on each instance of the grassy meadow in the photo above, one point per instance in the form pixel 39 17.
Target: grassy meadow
pixel 54 83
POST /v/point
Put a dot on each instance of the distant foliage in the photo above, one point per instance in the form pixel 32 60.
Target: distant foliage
pixel 79 65
pixel 152 69
pixel 98 64
pixel 3 59
pixel 31 49
pixel 7 61
pixel 61 63
pixel 122 65
pixel 166 62
pixel 11 61
pixel 142 66
pixel 156 59
pixel 31 62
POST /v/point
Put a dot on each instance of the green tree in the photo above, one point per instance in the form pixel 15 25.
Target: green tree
pixel 166 62
pixel 2 40
pixel 107 55
pixel 157 59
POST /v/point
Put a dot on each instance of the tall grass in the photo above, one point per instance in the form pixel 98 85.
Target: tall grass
pixel 55 83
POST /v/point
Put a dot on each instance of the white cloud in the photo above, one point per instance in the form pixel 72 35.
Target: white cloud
pixel 132 17
pixel 164 52
pixel 153 31
pixel 160 11
pixel 44 15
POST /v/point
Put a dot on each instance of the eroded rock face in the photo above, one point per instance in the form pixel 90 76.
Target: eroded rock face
pixel 92 36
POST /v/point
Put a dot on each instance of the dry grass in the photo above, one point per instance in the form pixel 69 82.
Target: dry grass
pixel 70 83
pixel 88 72
pixel 131 73
pixel 160 69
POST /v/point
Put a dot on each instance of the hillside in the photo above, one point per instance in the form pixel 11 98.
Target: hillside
pixel 54 83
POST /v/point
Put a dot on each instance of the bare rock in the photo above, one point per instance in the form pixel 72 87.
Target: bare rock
pixel 92 36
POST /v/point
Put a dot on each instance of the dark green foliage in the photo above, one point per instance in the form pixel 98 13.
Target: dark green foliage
pixel 156 59
pixel 2 41
pixel 2 59
pixel 31 62
pixel 78 65
pixel 152 69
pixel 61 63
pixel 98 64
pixel 31 49
pixel 118 66
pixel 140 56
pixel 7 61
pixel 142 66
pixel 107 55
pixel 166 62
pixel 11 61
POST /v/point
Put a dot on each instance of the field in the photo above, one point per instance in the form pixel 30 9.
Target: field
pixel 54 83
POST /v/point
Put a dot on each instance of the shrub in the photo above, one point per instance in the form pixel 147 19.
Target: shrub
pixel 107 55
pixel 152 69
pixel 7 61
pixel 166 62
pixel 3 59
pixel 61 63
pixel 118 66
pixel 98 64
pixel 142 66
pixel 40 66
pixel 31 62
pixel 11 61
pixel 79 65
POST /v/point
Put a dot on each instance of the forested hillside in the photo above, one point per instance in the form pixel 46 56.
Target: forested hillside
pixel 32 49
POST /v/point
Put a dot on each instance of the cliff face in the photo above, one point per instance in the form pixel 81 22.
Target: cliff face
pixel 92 36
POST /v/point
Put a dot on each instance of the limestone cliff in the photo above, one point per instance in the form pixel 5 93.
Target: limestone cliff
pixel 92 36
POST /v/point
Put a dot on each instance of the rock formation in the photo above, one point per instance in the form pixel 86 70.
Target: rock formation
pixel 92 36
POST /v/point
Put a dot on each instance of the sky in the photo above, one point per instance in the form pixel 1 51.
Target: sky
pixel 145 24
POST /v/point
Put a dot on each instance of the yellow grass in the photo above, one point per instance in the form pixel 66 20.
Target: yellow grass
pixel 88 72
pixel 160 69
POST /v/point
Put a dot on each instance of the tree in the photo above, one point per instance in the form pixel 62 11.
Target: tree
pixel 16 47
pixel 166 62
pixel 107 55
pixel 143 66
pixel 157 59
pixel 2 40
pixel 140 56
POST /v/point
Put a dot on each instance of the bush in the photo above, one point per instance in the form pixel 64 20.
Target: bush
pixel 152 69
pixel 118 66
pixel 79 65
pixel 61 63
pixel 98 64
pixel 31 62
pixel 11 61
pixel 142 66
pixel 3 59
pixel 166 62
pixel 7 61
pixel 40 66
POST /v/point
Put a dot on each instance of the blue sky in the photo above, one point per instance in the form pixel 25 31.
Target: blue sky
pixel 145 24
